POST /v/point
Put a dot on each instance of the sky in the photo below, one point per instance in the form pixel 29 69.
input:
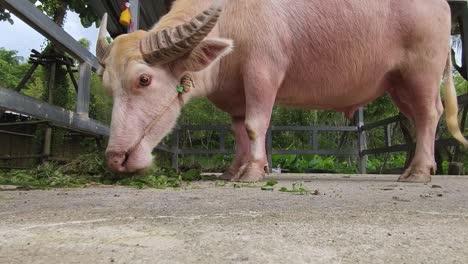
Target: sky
pixel 23 38
pixel 457 46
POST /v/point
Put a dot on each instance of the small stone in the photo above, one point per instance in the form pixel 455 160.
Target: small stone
pixel 436 186
pixel 440 195
pixel 116 195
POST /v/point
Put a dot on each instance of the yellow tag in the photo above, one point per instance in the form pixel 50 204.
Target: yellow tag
pixel 125 18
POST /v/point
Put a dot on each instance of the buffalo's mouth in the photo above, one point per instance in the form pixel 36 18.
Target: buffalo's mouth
pixel 124 162
pixel 117 161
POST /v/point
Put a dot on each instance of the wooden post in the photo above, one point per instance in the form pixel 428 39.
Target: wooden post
pixel 388 136
pixel 464 34
pixel 26 77
pixel 315 140
pixel 82 100
pixel 72 77
pixel 48 133
pixel 135 11
pixel 269 149
pixel 222 139
pixel 362 142
pixel 461 13
pixel 175 149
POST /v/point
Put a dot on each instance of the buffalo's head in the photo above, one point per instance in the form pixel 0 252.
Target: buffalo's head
pixel 143 71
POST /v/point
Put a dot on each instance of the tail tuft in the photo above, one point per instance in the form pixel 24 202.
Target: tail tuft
pixel 451 105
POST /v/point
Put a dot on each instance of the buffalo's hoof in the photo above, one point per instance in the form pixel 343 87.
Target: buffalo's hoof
pixel 253 173
pixel 252 178
pixel 415 177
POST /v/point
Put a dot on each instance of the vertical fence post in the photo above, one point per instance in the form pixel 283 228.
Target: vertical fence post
pixel 388 136
pixel 48 134
pixel 362 142
pixel 269 149
pixel 222 139
pixel 135 11
pixel 315 140
pixel 464 34
pixel 175 149
pixel 84 84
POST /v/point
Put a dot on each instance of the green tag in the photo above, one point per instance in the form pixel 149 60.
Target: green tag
pixel 180 89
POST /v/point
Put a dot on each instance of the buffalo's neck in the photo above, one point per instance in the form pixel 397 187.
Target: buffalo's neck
pixel 205 81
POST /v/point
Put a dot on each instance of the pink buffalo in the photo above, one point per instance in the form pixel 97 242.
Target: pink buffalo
pixel 246 56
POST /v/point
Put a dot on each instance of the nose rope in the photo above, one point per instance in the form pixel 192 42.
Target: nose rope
pixel 186 84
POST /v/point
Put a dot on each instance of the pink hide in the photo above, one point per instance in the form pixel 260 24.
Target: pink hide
pixel 334 54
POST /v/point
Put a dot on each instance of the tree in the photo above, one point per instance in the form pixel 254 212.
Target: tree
pixel 56 9
pixel 5 15
pixel 85 43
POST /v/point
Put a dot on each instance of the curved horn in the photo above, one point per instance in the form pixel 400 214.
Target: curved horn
pixel 172 43
pixel 102 47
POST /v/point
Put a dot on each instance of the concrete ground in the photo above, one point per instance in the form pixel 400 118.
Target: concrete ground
pixel 353 219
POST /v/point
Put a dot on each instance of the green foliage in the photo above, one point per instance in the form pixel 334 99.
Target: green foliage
pixel 49 7
pixel 202 111
pixel 299 189
pixel 302 163
pixel 100 103
pixel 11 69
pixel 90 169
pixel 5 15
pixel 461 85
pixel 85 43
pixel 269 186
pixel 81 7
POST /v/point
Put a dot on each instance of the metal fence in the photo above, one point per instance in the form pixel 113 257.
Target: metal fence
pixel 360 150
pixel 77 120
pixel 360 144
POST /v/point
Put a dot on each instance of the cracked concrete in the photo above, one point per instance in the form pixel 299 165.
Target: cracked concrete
pixel 355 219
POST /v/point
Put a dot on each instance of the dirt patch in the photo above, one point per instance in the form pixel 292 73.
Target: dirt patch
pixel 351 220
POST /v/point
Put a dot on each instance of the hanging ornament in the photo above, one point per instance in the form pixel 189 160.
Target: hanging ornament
pixel 125 16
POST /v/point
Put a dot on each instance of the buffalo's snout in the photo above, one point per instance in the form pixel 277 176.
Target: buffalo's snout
pixel 116 161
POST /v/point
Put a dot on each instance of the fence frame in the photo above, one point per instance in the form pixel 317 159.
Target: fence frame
pixel 76 120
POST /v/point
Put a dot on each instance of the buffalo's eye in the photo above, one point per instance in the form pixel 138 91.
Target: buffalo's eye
pixel 145 80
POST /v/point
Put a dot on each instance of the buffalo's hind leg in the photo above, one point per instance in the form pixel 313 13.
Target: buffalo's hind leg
pixel 234 172
pixel 419 100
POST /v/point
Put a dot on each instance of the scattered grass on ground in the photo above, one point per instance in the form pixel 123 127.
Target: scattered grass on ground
pixel 89 170
pixel 299 189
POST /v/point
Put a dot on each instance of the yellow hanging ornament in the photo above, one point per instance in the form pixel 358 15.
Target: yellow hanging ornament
pixel 126 16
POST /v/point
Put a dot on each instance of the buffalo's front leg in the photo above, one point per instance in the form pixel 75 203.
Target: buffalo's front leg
pixel 242 150
pixel 260 97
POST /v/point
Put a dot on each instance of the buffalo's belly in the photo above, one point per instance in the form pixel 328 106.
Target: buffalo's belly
pixel 339 94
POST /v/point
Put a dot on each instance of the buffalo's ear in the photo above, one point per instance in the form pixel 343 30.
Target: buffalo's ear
pixel 207 52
